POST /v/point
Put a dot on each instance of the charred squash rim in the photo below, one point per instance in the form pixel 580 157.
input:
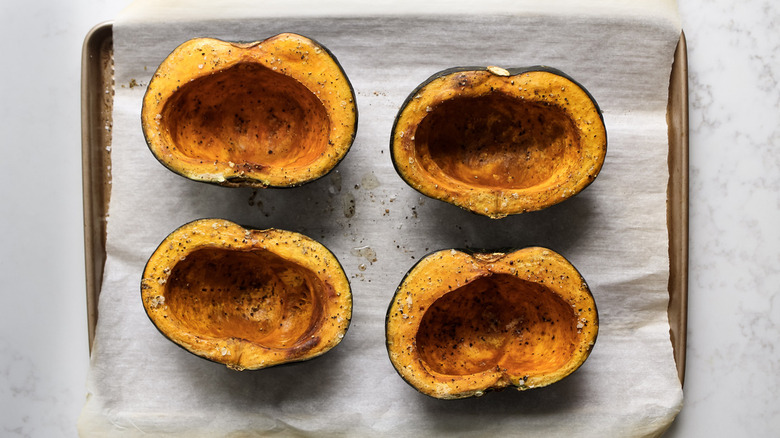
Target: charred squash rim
pixel 497 202
pixel 421 288
pixel 328 321
pixel 302 60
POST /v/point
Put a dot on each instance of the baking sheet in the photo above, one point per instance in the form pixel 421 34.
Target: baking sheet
pixel 374 190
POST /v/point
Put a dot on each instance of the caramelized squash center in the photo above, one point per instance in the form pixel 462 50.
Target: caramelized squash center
pixel 252 295
pixel 247 115
pixel 498 322
pixel 495 141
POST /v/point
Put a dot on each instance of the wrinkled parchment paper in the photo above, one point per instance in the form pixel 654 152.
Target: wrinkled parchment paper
pixel 614 232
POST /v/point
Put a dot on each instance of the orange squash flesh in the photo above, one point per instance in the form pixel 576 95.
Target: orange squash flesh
pixel 462 324
pixel 279 112
pixel 249 299
pixel 498 142
pixel 253 295
pixel 495 141
pixel 248 115
pixel 497 322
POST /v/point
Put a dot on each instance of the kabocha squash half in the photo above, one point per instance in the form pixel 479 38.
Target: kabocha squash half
pixel 246 298
pixel 278 113
pixel 461 324
pixel 499 142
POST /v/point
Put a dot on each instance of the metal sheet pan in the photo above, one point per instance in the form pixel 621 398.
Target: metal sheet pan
pixel 96 102
pixel 97 91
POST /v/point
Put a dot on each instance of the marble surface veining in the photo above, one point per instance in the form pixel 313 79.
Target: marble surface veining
pixel 733 361
pixel 733 367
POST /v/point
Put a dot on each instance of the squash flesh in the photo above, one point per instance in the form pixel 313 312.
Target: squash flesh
pixel 251 295
pixel 461 324
pixel 274 113
pixel 497 322
pixel 495 141
pixel 499 142
pixel 248 299
pixel 247 115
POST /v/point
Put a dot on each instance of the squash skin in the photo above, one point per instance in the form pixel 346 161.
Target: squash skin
pixel 494 159
pixel 462 323
pixel 274 113
pixel 262 278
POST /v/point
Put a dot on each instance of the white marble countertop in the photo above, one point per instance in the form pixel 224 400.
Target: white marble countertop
pixel 733 358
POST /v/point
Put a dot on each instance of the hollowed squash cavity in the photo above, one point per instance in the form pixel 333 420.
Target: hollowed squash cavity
pixel 251 295
pixel 250 115
pixel 498 321
pixel 495 141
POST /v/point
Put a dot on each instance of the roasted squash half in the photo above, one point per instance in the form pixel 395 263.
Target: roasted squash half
pixel 499 142
pixel 278 113
pixel 461 324
pixel 246 298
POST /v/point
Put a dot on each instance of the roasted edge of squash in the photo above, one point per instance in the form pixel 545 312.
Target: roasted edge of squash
pixel 245 298
pixel 498 141
pixel 274 113
pixel 461 323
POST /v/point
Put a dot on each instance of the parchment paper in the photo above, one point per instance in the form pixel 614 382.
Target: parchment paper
pixel 614 232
